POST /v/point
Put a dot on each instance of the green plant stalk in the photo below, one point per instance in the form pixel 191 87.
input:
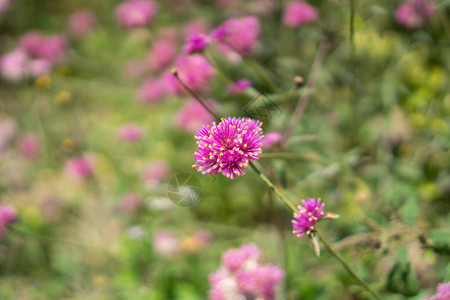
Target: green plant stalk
pixel 347 267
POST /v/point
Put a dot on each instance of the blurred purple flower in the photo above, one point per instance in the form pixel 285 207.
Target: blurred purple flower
pixel 8 215
pixel 136 13
pixel 81 22
pixel 443 292
pixel 308 215
pixel 8 130
pixel 29 146
pixel 50 47
pixel 129 204
pixel 162 52
pixel 239 86
pixel 242 35
pixel 81 167
pixel 197 26
pixel 192 115
pixel 414 13
pixel 299 13
pixel 195 71
pixel 196 43
pixel 155 172
pixel 130 133
pixel 165 243
pixel 228 147
pixel 14 65
pixel 271 138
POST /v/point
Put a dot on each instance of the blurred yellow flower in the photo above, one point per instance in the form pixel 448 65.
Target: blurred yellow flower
pixel 63 97
pixel 43 82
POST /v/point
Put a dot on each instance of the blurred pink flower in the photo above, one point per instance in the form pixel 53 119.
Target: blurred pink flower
pixel 204 236
pixel 198 26
pixel 193 115
pixel 238 86
pixel 136 13
pixel 299 13
pixel 153 90
pixel 271 138
pixel 443 292
pixel 81 167
pixel 135 68
pixel 169 33
pixel 155 172
pixel 162 52
pixel 13 65
pixel 8 130
pixel 165 243
pixel 49 47
pixel 196 43
pixel 8 215
pixel 130 133
pixel 130 204
pixel 242 34
pixel 29 146
pixel 234 259
pixel 4 6
pixel 195 71
pixel 81 22
pixel 39 67
pixel 414 13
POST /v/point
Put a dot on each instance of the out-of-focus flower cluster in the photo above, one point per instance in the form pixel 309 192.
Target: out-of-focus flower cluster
pixel 8 216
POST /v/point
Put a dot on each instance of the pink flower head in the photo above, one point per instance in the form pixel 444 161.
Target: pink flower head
pixel 308 215
pixel 8 215
pixel 52 47
pixel 228 147
pixel 4 6
pixel 192 115
pixel 29 146
pixel 194 70
pixel 165 243
pixel 39 67
pixel 8 130
pixel 204 236
pixel 130 133
pixel 136 13
pixel 13 65
pixel 153 90
pixel 271 138
pixel 242 34
pixel 81 167
pixel 130 204
pixel 443 292
pixel 299 13
pixel 81 22
pixel 196 43
pixel 198 26
pixel 162 52
pixel 414 13
pixel 235 259
pixel 155 172
pixel 239 86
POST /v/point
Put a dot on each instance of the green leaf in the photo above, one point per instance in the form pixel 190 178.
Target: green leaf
pixel 409 211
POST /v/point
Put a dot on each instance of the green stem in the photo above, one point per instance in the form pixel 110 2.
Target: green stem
pixel 347 267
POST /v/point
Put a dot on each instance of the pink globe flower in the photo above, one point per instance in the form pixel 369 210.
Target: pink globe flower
pixel 299 13
pixel 192 115
pixel 443 292
pixel 228 147
pixel 52 47
pixel 308 215
pixel 29 146
pixel 165 243
pixel 414 13
pixel 162 52
pixel 39 67
pixel 8 215
pixel 242 35
pixel 81 167
pixel 155 172
pixel 130 133
pixel 81 22
pixel 271 138
pixel 14 65
pixel 239 86
pixel 194 70
pixel 196 43
pixel 153 90
pixel 136 13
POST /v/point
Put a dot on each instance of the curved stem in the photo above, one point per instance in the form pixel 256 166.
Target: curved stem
pixel 347 267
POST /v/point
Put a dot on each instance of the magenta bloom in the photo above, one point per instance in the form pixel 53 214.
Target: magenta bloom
pixel 414 13
pixel 228 147
pixel 14 65
pixel 194 70
pixel 81 22
pixel 443 292
pixel 8 216
pixel 243 277
pixel 239 86
pixel 130 133
pixel 271 138
pixel 196 43
pixel 81 167
pixel 39 67
pixel 192 115
pixel 198 26
pixel 136 13
pixel 162 52
pixel 299 13
pixel 29 146
pixel 153 90
pixel 242 34
pixel 50 47
pixel 308 215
